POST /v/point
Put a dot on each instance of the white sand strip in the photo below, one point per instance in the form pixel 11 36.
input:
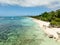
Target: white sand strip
pixel 49 31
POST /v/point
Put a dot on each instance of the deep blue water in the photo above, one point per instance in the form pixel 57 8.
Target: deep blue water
pixel 22 31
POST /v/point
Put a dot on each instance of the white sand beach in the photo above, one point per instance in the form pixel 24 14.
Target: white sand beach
pixel 54 32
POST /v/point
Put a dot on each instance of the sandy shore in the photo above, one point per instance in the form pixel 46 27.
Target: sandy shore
pixel 54 32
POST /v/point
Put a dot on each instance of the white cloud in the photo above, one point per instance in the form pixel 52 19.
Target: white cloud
pixel 54 4
pixel 32 3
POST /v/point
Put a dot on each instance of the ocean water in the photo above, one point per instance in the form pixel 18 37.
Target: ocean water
pixel 22 31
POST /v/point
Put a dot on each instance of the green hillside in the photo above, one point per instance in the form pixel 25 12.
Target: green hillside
pixel 53 17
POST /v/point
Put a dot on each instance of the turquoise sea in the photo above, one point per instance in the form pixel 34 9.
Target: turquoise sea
pixel 22 31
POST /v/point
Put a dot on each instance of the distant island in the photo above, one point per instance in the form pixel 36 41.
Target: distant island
pixel 53 17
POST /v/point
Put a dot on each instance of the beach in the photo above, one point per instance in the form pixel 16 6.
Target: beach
pixel 26 31
pixel 51 32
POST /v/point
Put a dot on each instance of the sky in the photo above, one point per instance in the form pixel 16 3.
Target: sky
pixel 27 7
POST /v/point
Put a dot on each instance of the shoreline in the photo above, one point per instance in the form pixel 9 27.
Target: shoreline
pixel 51 32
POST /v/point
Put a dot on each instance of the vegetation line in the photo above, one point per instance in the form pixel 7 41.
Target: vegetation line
pixel 53 17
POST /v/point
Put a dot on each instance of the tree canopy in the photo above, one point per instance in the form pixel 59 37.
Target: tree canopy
pixel 53 17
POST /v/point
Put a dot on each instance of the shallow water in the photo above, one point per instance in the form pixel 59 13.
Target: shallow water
pixel 22 31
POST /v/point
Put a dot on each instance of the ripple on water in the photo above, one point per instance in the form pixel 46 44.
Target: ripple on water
pixel 23 31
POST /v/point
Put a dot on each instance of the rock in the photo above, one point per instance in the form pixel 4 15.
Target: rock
pixel 50 36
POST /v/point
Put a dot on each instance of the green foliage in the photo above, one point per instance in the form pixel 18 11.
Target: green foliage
pixel 57 19
pixel 58 13
pixel 55 24
pixel 53 17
